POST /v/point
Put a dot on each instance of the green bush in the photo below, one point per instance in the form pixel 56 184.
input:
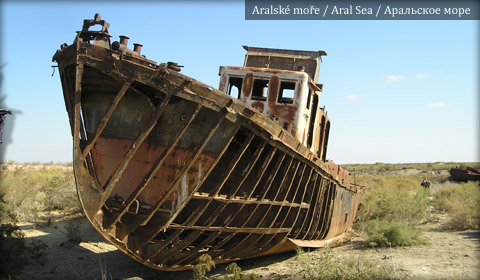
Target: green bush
pixel 390 233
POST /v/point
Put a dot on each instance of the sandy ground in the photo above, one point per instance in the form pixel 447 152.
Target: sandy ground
pixel 450 255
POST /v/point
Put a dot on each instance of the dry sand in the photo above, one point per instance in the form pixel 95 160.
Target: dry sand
pixel 450 255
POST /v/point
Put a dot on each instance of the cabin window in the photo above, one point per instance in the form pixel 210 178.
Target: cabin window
pixel 260 89
pixel 235 86
pixel 286 92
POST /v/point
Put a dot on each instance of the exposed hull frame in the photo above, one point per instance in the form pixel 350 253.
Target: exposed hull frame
pixel 295 199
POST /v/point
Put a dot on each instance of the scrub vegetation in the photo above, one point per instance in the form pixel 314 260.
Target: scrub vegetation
pixel 392 211
pixel 38 193
pixel 327 267
pixel 462 202
pixel 394 203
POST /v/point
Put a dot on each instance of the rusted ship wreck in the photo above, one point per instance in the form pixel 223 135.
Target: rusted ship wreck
pixel 465 174
pixel 168 168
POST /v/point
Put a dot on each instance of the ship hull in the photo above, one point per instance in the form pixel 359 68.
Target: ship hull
pixel 168 168
pixel 464 175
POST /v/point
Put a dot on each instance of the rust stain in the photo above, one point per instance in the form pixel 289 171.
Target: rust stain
pixel 247 85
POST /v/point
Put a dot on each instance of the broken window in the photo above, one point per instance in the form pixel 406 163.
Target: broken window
pixel 286 92
pixel 260 88
pixel 235 86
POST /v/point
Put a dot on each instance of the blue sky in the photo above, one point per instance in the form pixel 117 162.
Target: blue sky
pixel 396 91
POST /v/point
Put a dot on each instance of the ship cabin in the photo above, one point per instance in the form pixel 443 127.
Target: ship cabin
pixel 282 85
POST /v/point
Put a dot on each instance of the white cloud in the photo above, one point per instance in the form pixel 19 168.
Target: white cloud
pixel 437 105
pixel 353 97
pixel 392 78
pixel 420 76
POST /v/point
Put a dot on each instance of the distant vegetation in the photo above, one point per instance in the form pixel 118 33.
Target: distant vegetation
pixel 34 192
pixel 423 167
pixel 394 203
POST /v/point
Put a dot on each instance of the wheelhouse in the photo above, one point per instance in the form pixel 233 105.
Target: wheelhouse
pixel 281 84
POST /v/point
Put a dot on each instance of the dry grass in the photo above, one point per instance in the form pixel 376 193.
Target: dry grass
pixel 327 267
pixel 395 204
pixel 32 191
pixel 462 202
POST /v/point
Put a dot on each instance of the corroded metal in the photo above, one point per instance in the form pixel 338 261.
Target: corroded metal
pixel 168 168
pixel 465 174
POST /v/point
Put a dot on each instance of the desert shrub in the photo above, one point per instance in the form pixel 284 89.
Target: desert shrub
pixel 15 251
pixel 392 206
pixel 391 233
pixel 72 231
pixel 204 265
pixel 7 215
pixel 462 202
pixel 234 272
pixel 326 267
pixel 29 191
pixel 391 198
pixel 12 239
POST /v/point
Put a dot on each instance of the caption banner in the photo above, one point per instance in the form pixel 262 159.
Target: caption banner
pixel 361 10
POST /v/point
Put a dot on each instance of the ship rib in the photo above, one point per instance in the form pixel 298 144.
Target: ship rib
pixel 322 201
pixel 111 183
pixel 300 184
pixel 105 119
pixel 254 212
pixel 217 211
pixel 155 167
pixel 253 251
pixel 308 218
pixel 154 248
pixel 150 230
pixel 264 190
pixel 241 200
pixel 304 219
pixel 77 99
pixel 258 235
pixel 226 175
pixel 213 236
pixel 231 229
pixel 329 211
pixel 318 200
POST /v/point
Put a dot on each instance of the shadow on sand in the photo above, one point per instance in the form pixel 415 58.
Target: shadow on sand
pixel 74 250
